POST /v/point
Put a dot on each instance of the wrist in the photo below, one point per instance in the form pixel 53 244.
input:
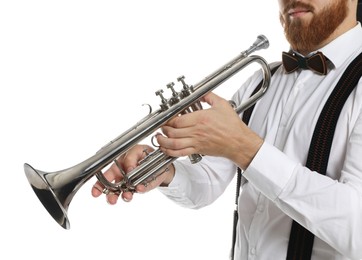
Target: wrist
pixel 246 153
pixel 169 174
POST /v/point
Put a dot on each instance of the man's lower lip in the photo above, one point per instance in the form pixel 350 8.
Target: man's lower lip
pixel 297 14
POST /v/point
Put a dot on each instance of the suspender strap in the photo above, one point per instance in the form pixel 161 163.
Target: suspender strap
pixel 246 117
pixel 301 240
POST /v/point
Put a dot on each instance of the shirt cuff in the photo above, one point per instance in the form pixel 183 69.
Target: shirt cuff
pixel 270 171
pixel 178 181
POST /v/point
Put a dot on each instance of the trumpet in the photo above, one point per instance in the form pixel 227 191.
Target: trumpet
pixel 56 189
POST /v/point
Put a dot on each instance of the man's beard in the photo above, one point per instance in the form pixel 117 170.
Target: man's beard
pixel 304 36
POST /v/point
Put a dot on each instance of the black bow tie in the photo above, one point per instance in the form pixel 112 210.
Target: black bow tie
pixel 317 62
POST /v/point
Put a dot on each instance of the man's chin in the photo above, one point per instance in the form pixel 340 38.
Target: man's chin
pixel 301 21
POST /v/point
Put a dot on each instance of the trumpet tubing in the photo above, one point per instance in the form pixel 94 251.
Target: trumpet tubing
pixel 56 189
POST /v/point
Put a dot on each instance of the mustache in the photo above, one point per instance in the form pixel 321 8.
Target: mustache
pixel 296 4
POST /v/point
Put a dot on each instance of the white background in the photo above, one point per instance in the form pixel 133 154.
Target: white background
pixel 73 76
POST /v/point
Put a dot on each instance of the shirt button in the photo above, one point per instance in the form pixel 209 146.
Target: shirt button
pixel 253 251
pixel 260 208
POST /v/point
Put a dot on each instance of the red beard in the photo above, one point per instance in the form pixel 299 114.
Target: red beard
pixel 305 36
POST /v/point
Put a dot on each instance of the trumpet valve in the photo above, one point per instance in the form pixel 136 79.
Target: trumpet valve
pixel 164 103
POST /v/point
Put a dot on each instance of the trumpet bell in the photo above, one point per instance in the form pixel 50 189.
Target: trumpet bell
pixel 52 199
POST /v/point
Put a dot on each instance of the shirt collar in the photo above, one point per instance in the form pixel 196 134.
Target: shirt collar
pixel 346 45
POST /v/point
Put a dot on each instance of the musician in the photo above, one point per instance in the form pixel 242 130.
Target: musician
pixel 278 188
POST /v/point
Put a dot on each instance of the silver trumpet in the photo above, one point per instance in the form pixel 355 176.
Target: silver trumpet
pixel 56 189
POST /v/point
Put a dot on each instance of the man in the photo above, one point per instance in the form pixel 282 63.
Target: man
pixel 277 186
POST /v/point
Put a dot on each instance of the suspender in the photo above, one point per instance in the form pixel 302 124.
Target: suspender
pixel 301 240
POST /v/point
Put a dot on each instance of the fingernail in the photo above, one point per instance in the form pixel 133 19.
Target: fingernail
pixel 108 201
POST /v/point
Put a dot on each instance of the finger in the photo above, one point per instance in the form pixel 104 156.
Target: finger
pixel 127 196
pixel 210 98
pixel 115 175
pixel 112 175
pixel 132 157
pixel 97 189
pixel 180 152
pixel 177 141
pixel 185 120
pixel 141 188
pixel 112 198
pixel 172 132
pixel 215 101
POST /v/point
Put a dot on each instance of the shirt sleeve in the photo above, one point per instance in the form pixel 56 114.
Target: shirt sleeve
pixel 198 185
pixel 330 209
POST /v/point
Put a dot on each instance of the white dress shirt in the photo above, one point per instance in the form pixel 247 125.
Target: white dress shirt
pixel 276 186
